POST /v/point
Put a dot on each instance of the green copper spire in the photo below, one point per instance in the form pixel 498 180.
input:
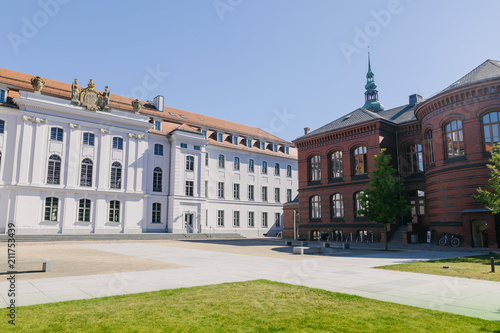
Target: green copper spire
pixel 371 93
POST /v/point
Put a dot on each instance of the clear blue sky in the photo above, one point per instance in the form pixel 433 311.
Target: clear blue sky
pixel 249 61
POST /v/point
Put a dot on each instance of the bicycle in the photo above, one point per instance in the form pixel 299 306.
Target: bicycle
pixel 454 240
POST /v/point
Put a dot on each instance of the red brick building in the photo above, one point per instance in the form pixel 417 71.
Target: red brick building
pixel 440 147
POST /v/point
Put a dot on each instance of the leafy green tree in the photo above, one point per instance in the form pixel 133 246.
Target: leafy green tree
pixel 491 199
pixel 382 202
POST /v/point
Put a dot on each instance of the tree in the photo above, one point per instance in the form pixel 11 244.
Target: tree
pixel 382 201
pixel 491 199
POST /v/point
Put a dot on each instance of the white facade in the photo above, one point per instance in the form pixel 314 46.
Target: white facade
pixel 65 169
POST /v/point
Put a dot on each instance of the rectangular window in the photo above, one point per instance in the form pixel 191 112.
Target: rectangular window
pixel 236 191
pixel 197 147
pixel 277 220
pixel 88 139
pixel 114 211
pixel 288 195
pixel 251 195
pixel 156 217
pixel 84 211
pixel 206 188
pixel 249 143
pixel 236 164
pixel 2 96
pixel 275 148
pixel 189 188
pixel 264 167
pixel 251 219
pixel 263 146
pixel 220 218
pixel 184 145
pixel 287 150
pixel 264 219
pixel 222 160
pixel 206 158
pixel 157 125
pixel 117 143
pixel 51 208
pixel 289 171
pixel 236 219
pixel 158 149
pixel 2 126
pixel 220 190
pixel 56 134
pixel 220 137
pixel 190 163
pixel 264 193
pixel 277 194
pixel 277 169
pixel 204 132
pixel 235 140
pixel 251 165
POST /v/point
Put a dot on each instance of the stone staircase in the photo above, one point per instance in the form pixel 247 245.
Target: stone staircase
pixel 397 236
pixel 107 237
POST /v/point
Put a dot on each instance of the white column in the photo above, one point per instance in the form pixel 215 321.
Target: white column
pixel 25 161
pixel 129 167
pixel 103 160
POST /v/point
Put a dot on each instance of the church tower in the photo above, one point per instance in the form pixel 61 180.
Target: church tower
pixel 371 93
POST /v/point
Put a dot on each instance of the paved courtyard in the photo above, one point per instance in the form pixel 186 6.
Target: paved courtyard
pixel 94 269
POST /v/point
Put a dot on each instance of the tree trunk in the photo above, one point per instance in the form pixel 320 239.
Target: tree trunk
pixel 385 238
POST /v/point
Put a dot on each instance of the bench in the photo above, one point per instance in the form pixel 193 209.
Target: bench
pixel 29 266
pixel 298 250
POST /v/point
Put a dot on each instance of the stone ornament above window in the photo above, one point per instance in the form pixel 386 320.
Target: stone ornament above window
pixel 89 97
pixel 37 83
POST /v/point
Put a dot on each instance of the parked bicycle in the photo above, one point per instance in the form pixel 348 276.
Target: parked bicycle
pixel 454 240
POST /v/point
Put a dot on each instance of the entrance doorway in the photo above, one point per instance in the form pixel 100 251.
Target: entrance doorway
pixel 479 233
pixel 188 221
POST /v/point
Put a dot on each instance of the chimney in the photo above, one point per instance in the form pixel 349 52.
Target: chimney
pixel 414 99
pixel 306 130
pixel 158 103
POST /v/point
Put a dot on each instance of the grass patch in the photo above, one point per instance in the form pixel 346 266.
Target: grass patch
pixel 255 306
pixel 475 267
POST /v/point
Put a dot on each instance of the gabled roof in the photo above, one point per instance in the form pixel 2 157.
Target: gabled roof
pixel 488 70
pixel 398 115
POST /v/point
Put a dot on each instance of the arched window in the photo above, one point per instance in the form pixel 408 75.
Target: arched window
pixel 414 161
pixel 276 169
pixel 336 164
pixel 315 168
pixel 54 170
pixel 357 204
pixel 86 173
pixel 156 216
pixel 236 164
pixel 417 202
pixel 360 160
pixel 114 211
pixel 157 179
pixel 429 147
pixel 84 210
pixel 264 167
pixel 337 208
pixel 51 209
pixel 222 161
pixel 190 163
pixel 116 175
pixel 491 127
pixel 454 138
pixel 315 207
pixel 2 126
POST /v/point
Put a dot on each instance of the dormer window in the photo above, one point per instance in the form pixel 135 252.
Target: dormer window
pixel 263 145
pixel 204 132
pixel 157 125
pixel 220 137
pixel 249 143
pixel 3 96
pixel 235 140
pixel 287 150
pixel 275 148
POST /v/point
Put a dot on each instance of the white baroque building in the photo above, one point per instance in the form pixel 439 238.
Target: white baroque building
pixel 76 160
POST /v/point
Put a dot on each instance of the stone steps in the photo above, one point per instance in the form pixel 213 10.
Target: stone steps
pixel 93 237
pixel 397 237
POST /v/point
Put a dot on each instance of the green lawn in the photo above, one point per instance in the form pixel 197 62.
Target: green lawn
pixel 476 267
pixel 256 306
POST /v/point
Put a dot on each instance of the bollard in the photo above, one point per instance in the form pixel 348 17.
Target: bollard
pixel 493 264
